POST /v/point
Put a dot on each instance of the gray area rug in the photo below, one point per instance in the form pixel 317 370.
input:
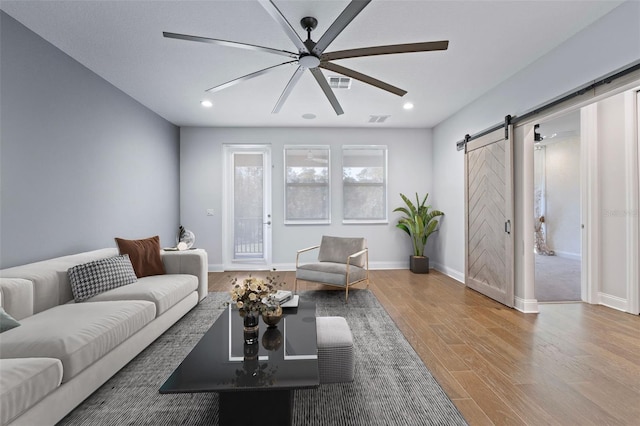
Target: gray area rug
pixel 557 279
pixel 391 387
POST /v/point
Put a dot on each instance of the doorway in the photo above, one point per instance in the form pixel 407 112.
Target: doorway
pixel 247 207
pixel 557 209
pixel 609 199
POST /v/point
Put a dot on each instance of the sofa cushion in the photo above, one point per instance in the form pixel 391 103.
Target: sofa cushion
pixel 337 249
pixel 163 290
pixel 98 276
pixel 24 382
pixel 329 272
pixel 77 334
pixel 7 322
pixel 144 255
pixel 50 278
pixel 16 297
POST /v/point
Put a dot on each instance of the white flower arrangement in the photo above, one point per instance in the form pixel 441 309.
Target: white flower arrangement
pixel 254 294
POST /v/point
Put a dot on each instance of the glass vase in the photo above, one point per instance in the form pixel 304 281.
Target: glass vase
pixel 250 321
pixel 272 316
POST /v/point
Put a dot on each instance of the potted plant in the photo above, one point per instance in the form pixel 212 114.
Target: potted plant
pixel 419 222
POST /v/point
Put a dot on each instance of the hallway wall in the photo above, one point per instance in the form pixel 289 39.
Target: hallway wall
pixel 563 197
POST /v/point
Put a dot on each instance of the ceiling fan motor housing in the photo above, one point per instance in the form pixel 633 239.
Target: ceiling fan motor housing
pixel 309 61
pixel 309 23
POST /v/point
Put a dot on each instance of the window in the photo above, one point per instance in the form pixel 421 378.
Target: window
pixel 364 183
pixel 307 192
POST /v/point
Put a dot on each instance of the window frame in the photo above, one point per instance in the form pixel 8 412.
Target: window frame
pixel 287 220
pixel 384 184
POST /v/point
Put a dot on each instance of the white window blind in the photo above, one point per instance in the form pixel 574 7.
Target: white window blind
pixel 364 183
pixel 307 188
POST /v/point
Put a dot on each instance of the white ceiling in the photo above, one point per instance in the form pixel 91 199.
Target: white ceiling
pixel 122 42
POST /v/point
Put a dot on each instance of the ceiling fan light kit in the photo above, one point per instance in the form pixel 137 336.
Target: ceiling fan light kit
pixel 311 55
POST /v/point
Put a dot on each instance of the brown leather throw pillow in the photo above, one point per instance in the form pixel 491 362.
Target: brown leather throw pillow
pixel 144 255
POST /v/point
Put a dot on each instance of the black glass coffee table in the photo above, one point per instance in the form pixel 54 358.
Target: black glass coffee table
pixel 255 382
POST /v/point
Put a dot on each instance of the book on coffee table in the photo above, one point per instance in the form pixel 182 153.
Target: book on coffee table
pixel 291 303
pixel 282 296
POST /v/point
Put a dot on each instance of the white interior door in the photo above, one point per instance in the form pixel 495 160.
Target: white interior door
pixel 247 207
pixel 489 216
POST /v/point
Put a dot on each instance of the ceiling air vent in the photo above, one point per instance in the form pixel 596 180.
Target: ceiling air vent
pixel 340 82
pixel 378 118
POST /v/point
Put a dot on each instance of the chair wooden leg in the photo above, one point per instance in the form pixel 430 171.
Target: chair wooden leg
pixel 346 294
pixel 295 287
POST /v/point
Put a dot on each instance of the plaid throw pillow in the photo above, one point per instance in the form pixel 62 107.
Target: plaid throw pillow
pixel 98 276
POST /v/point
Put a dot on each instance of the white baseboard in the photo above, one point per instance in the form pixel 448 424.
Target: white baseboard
pixel 215 267
pixel 389 265
pixel 568 255
pixel 527 306
pixel 284 266
pixel 292 266
pixel 613 302
pixel 455 274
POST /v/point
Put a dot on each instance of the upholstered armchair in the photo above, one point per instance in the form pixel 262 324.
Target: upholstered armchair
pixel 341 262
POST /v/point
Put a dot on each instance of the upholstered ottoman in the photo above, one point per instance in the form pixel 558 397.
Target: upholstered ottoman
pixel 335 350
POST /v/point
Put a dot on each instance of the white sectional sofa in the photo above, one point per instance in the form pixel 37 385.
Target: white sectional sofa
pixel 63 351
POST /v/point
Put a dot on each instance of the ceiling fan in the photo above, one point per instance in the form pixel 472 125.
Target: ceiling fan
pixel 311 55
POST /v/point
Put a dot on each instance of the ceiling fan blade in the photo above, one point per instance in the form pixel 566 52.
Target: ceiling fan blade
pixel 229 44
pixel 245 77
pixel 286 26
pixel 362 77
pixel 317 73
pixel 287 90
pixel 387 50
pixel 348 14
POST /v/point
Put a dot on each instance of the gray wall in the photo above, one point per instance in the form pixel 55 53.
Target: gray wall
pixel 409 170
pixel 608 44
pixel 81 162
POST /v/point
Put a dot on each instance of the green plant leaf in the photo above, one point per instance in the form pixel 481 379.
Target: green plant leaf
pixel 419 221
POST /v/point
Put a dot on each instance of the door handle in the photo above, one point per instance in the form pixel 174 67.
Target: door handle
pixel 267 223
pixel 507 227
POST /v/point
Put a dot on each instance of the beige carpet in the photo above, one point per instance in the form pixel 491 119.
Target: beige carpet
pixel 557 279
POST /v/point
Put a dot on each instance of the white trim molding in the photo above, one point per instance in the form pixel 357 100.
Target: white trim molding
pixel 614 302
pixel 590 212
pixel 215 267
pixel 632 177
pixel 527 306
pixel 450 272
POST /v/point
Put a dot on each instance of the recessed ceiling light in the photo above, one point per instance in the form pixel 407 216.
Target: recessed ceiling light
pixel 308 116
pixel 206 103
pixel 407 105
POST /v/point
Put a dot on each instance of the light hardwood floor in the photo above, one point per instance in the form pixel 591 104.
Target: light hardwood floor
pixel 571 364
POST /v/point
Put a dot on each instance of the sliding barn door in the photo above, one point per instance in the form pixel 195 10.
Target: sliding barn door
pixel 489 216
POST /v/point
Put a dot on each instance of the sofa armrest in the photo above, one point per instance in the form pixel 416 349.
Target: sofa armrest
pixel 303 251
pixel 192 262
pixel 16 297
pixel 351 256
pixel 356 255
